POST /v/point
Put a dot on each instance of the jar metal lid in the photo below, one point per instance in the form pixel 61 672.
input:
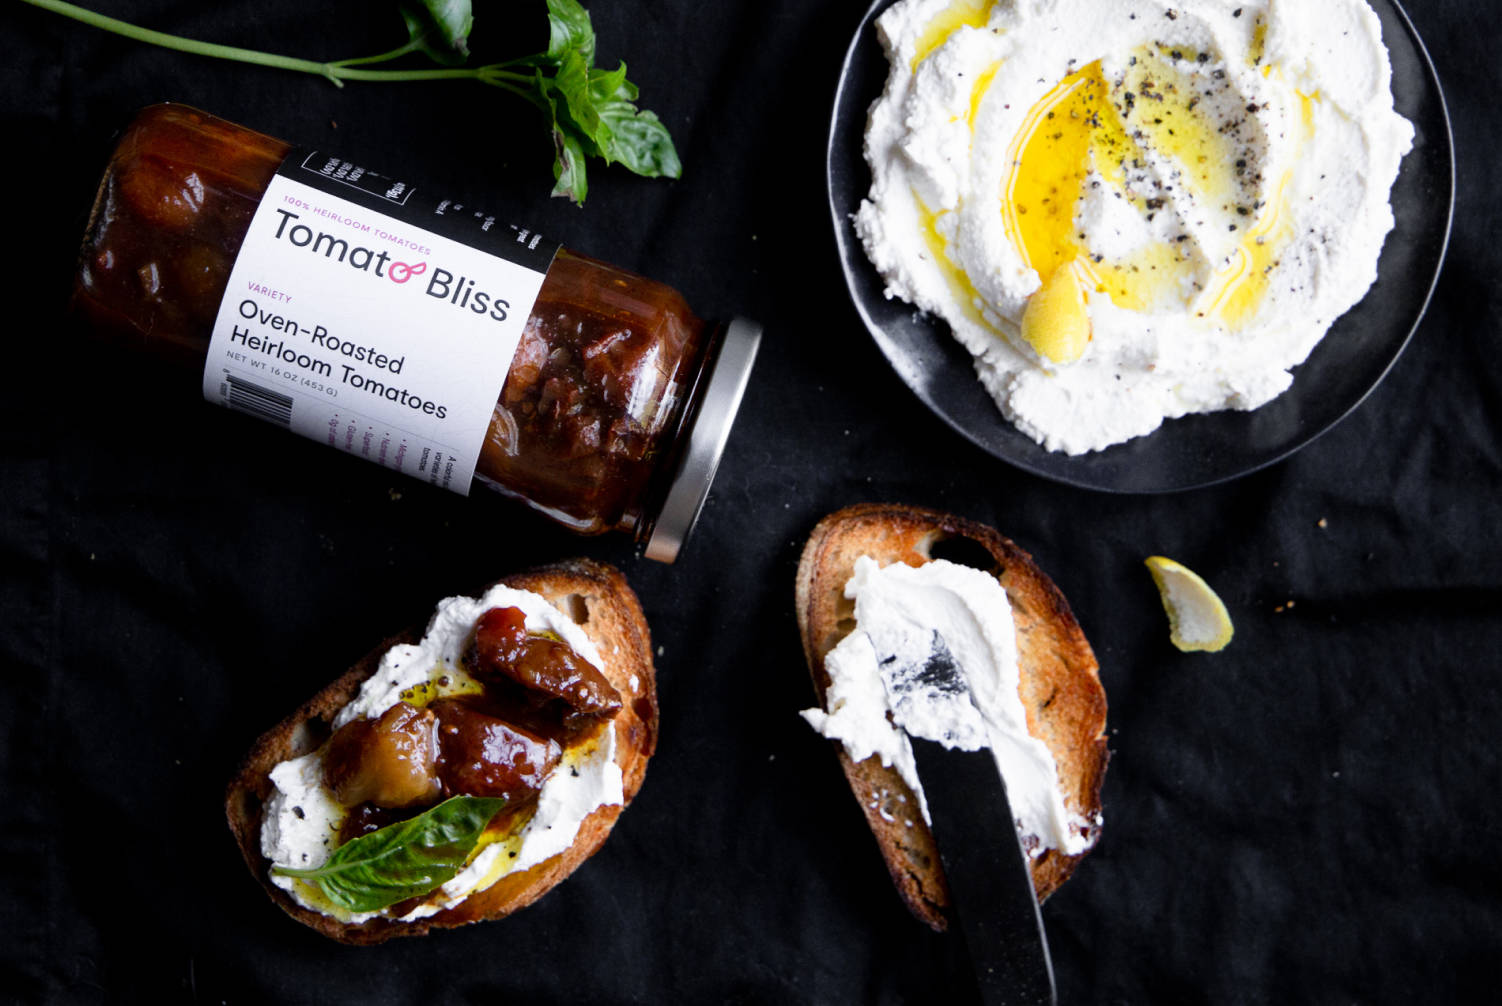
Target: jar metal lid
pixel 730 373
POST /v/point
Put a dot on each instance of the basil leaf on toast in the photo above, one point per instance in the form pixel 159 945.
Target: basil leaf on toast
pixel 402 860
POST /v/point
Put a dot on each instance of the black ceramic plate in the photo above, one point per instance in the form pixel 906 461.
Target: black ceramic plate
pixel 1195 450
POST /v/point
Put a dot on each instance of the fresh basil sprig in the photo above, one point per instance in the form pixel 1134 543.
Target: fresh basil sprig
pixel 593 111
pixel 590 112
pixel 402 860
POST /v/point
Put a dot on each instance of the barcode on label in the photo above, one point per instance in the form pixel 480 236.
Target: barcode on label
pixel 255 400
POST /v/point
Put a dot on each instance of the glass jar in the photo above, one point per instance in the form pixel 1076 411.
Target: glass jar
pixel 617 401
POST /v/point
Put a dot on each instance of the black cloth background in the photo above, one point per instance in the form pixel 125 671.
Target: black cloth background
pixel 1309 816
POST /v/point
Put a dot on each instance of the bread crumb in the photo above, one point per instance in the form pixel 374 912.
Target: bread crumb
pixel 1322 523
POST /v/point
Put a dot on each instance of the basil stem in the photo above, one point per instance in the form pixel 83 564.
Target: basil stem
pixel 591 112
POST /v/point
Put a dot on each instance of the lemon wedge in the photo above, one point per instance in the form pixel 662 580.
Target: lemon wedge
pixel 1197 618
pixel 1055 321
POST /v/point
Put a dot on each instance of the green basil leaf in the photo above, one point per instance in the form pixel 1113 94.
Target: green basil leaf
pixel 634 137
pixel 611 85
pixel 643 144
pixel 570 84
pixel 402 860
pixel 568 166
pixel 570 146
pixel 569 30
pixel 440 28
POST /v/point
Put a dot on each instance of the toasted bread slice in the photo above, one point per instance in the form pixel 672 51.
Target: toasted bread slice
pixel 1060 681
pixel 595 596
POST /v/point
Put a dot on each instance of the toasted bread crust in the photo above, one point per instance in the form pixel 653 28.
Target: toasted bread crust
pixel 613 620
pixel 1060 683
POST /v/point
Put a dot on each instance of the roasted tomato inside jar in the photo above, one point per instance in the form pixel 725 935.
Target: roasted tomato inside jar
pixel 538 697
pixel 595 395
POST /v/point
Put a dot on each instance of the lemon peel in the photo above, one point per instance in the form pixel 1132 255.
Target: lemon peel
pixel 1197 617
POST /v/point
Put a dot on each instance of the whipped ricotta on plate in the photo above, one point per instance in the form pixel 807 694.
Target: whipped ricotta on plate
pixel 878 692
pixel 1131 210
pixel 302 820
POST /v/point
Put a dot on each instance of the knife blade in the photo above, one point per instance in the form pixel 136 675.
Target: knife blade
pixel 990 882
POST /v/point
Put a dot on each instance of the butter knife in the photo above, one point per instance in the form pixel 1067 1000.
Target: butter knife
pixel 990 884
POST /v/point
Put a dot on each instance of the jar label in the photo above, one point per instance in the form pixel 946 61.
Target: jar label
pixel 364 313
